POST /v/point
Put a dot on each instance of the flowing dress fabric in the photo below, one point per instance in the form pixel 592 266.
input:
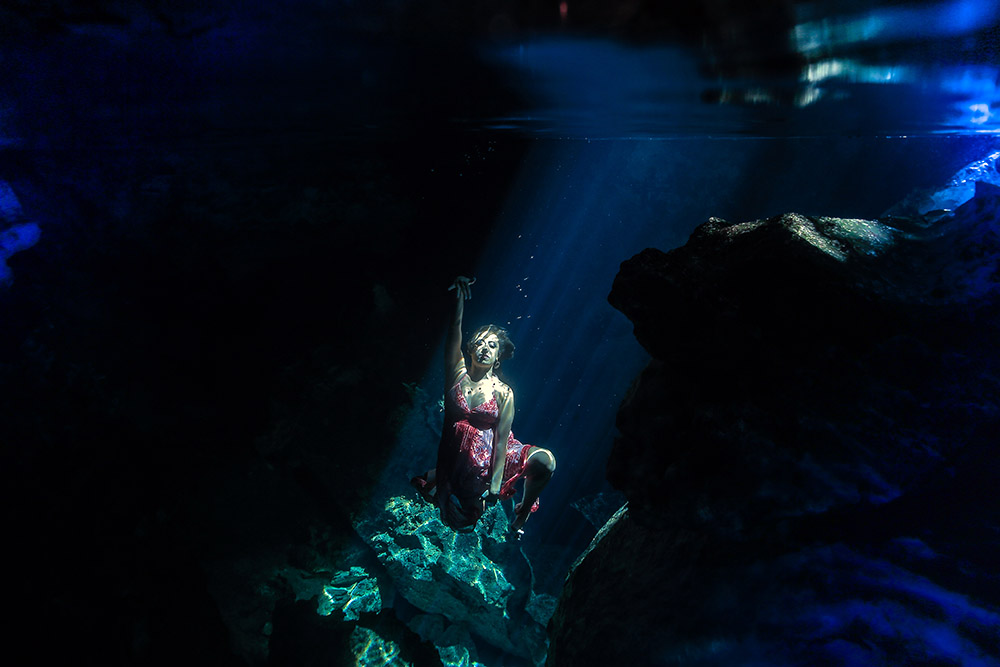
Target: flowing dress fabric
pixel 464 455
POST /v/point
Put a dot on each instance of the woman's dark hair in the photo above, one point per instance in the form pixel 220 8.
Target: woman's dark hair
pixel 506 346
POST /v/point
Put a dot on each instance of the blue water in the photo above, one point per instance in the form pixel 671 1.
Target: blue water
pixel 578 208
pixel 636 143
pixel 812 69
pixel 618 143
pixel 628 145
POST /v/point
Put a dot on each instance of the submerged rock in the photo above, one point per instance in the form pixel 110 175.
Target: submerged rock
pixel 808 459
pixel 958 190
pixel 801 364
pixel 454 644
pixel 370 648
pixel 349 594
pixel 257 585
pixel 457 576
pixel 302 637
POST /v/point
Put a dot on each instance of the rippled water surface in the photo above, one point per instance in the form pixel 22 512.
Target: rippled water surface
pixel 569 69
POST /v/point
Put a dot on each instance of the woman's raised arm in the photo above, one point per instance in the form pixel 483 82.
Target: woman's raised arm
pixel 454 361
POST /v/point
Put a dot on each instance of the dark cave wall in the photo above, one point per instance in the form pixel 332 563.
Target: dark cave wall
pixel 179 355
pixel 808 459
pixel 245 213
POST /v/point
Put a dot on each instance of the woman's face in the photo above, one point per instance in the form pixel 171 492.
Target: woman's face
pixel 486 350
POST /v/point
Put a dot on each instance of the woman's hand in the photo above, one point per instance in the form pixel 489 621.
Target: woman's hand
pixel 462 287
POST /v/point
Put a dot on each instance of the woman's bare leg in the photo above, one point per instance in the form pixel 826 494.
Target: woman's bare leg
pixel 540 465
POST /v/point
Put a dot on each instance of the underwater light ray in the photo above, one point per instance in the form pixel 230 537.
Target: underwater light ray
pixel 549 264
pixel 545 246
pixel 576 355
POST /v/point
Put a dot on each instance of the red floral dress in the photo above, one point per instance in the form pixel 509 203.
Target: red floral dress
pixel 464 455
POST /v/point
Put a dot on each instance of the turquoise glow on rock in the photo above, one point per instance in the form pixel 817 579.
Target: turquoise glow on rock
pixel 457 656
pixel 346 594
pixel 458 578
pixel 351 593
pixel 371 650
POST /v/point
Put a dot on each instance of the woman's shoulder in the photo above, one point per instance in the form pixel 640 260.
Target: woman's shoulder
pixel 504 391
pixel 456 375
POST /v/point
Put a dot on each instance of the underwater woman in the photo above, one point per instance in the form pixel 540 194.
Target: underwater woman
pixel 479 460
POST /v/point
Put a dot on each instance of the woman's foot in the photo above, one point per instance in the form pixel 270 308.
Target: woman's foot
pixel 423 487
pixel 521 514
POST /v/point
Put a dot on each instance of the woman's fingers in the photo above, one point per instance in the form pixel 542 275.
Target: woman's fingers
pixel 461 287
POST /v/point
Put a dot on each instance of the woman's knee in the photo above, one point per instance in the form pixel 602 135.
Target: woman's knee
pixel 543 459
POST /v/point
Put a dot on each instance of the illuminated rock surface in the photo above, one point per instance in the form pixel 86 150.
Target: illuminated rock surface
pixel 371 649
pixel 809 458
pixel 346 594
pixel 302 637
pixel 458 576
pixel 959 189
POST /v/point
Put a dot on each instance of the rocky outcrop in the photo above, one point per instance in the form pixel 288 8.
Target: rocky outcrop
pixel 454 644
pixel 250 590
pixel 303 637
pixel 808 457
pixel 307 605
pixel 960 188
pixel 461 578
